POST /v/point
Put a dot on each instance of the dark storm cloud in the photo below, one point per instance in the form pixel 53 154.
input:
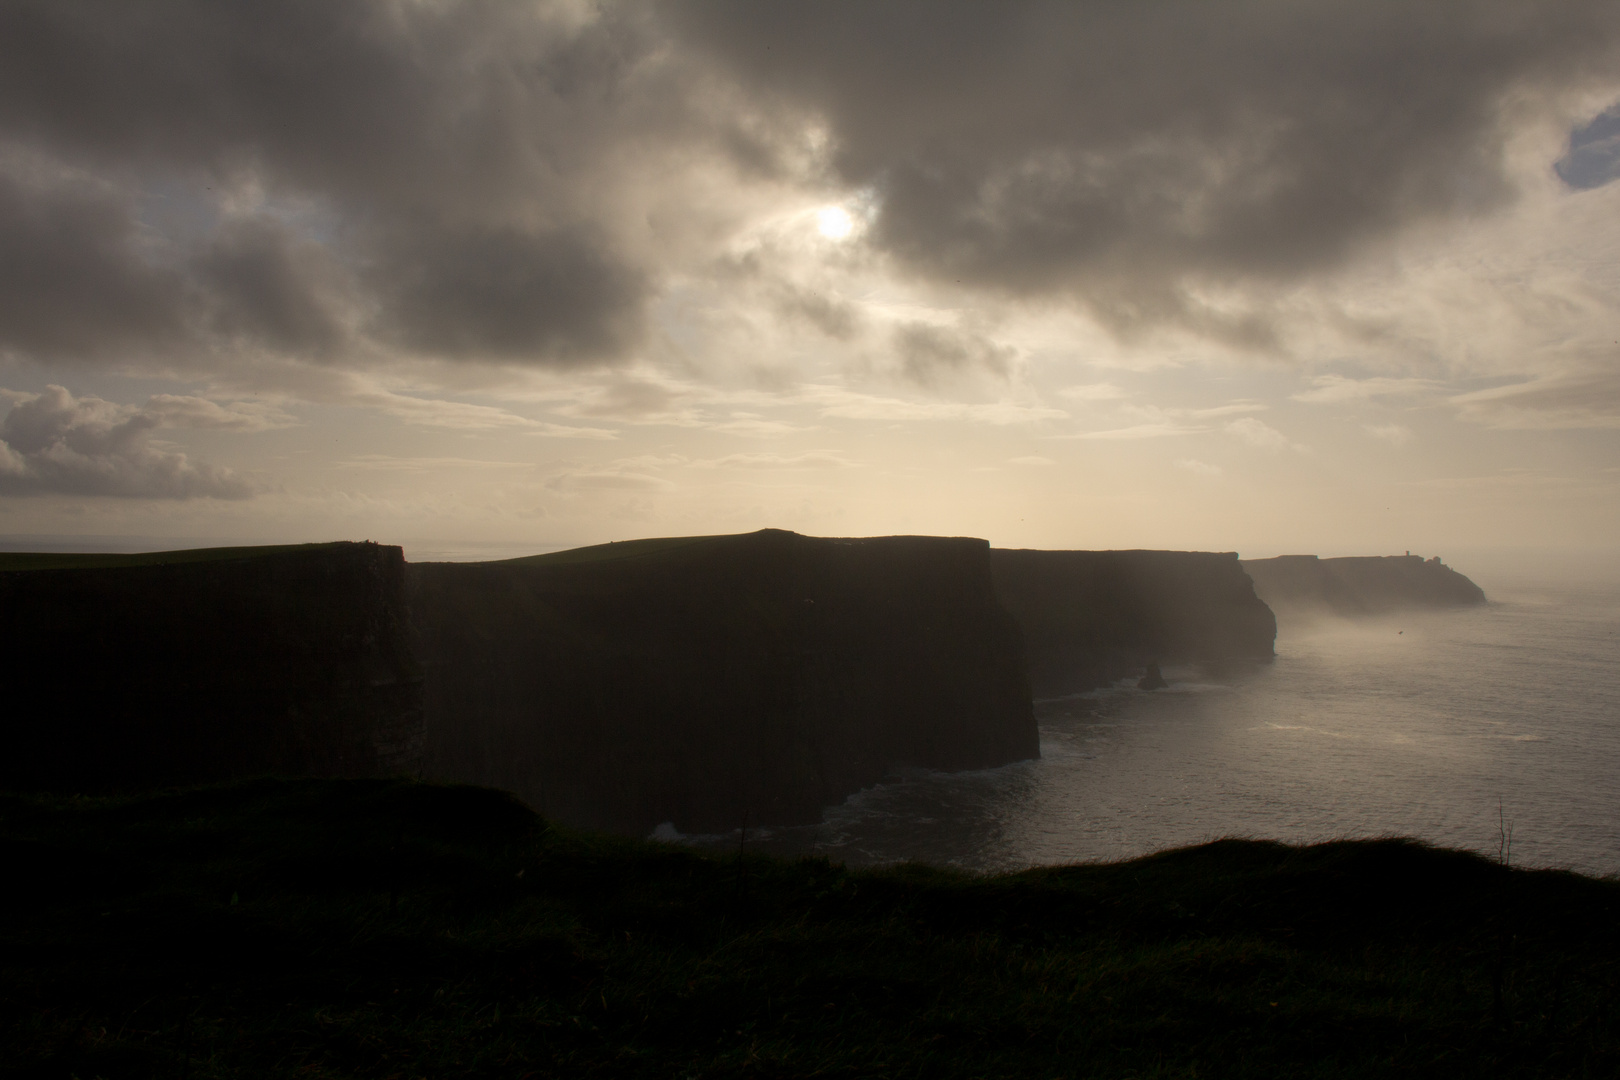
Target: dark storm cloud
pixel 1122 151
pixel 268 286
pixel 455 153
pixel 505 294
pixel 382 102
pixel 72 277
pixel 460 180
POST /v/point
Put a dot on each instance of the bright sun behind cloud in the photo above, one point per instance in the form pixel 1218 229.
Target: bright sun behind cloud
pixel 835 222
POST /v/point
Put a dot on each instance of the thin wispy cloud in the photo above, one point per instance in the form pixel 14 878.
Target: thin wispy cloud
pixel 1338 388
pixel 1394 434
pixel 1259 434
pixel 1094 392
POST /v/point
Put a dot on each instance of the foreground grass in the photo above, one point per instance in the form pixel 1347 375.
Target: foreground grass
pixel 395 929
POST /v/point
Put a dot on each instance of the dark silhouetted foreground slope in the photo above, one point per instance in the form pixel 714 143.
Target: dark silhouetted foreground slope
pixel 1360 586
pixel 127 672
pixel 388 928
pixel 713 681
pixel 1090 618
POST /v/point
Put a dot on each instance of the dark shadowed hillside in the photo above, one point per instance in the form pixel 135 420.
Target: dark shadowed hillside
pixel 1360 586
pixel 710 681
pixel 1090 618
pixel 381 928
pixel 135 671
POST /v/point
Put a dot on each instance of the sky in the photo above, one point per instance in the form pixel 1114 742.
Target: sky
pixel 486 278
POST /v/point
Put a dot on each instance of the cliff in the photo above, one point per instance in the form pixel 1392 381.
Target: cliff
pixel 1360 586
pixel 1090 618
pixel 710 681
pixel 139 671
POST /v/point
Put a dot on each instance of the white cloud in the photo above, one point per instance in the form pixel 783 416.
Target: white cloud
pixel 815 459
pixel 609 480
pixel 1158 422
pixel 1203 468
pixel 177 411
pixel 54 443
pixel 387 463
pixel 1390 433
pixel 1102 391
pixel 1256 433
pixel 1571 399
pixel 1137 431
pixel 634 474
pixel 850 405
pixel 1033 459
pixel 1337 388
pixel 458 415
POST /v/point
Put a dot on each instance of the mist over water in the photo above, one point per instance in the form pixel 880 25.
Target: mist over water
pixel 1414 725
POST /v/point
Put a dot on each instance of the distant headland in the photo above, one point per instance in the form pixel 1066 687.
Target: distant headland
pixel 1351 587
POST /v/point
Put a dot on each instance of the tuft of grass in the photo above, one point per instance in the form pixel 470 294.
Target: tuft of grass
pixel 390 928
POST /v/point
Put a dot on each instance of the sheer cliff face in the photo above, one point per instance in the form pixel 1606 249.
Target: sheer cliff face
pixel 1090 618
pixel 127 672
pixel 718 680
pixel 1350 587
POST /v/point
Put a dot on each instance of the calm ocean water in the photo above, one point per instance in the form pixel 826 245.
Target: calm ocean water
pixel 1454 727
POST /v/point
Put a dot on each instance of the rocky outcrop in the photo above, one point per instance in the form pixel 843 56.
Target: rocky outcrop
pixel 125 672
pixel 713 681
pixel 1353 587
pixel 1091 618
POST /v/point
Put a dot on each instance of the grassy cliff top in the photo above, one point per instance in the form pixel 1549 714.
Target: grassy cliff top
pixel 383 928
pixel 52 560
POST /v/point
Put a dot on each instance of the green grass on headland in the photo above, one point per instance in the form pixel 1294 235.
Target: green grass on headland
pixel 395 929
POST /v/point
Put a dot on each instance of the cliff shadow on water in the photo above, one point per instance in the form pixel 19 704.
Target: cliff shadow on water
pixel 1092 618
pixel 129 672
pixel 717 681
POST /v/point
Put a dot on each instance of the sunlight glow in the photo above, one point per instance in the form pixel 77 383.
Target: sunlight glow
pixel 835 222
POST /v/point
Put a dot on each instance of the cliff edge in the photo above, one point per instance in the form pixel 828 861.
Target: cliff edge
pixel 1353 587
pixel 1091 618
pixel 713 681
pixel 127 672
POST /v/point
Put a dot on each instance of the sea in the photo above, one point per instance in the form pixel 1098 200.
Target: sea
pixel 1494 728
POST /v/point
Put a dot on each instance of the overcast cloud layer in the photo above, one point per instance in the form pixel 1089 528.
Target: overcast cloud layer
pixel 577 221
pixel 330 181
